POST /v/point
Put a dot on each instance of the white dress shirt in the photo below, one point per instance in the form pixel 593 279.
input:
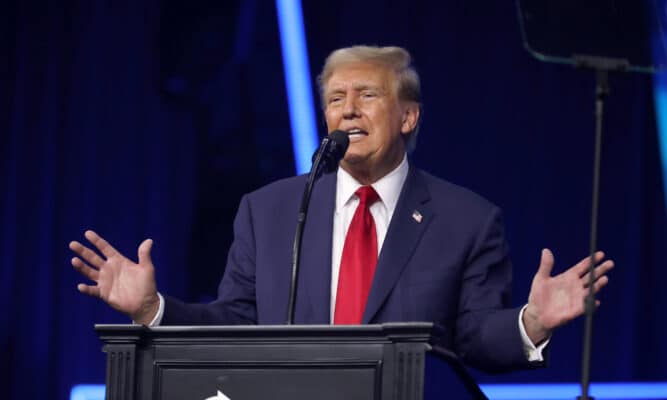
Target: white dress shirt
pixel 388 189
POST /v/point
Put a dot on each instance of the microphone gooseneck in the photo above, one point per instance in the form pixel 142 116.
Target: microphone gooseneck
pixel 325 160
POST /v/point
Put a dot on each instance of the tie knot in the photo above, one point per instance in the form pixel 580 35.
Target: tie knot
pixel 367 195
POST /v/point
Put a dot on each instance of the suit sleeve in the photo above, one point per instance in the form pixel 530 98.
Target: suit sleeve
pixel 487 331
pixel 236 302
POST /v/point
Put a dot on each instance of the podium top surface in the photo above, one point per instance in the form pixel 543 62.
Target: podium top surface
pixel 398 331
pixel 393 328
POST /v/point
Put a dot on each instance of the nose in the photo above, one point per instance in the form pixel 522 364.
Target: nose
pixel 350 108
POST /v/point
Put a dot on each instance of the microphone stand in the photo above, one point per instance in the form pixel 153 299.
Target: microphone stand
pixel 301 222
pixel 602 67
pixel 326 159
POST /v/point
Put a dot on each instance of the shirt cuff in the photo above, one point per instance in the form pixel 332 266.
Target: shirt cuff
pixel 157 319
pixel 532 352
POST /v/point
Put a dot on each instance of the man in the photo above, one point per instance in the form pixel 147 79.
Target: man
pixel 383 242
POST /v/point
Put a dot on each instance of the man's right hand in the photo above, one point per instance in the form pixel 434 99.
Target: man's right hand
pixel 124 285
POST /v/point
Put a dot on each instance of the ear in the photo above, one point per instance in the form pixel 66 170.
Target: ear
pixel 410 117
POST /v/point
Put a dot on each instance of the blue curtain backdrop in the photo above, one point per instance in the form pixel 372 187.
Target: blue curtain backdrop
pixel 150 119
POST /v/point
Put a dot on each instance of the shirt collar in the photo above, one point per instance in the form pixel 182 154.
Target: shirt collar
pixel 388 187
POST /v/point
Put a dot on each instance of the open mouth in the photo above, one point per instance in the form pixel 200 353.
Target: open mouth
pixel 356 134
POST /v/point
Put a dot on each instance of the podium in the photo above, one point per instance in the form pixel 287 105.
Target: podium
pixel 395 361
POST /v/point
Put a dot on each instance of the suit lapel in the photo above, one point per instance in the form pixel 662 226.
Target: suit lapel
pixel 411 217
pixel 314 284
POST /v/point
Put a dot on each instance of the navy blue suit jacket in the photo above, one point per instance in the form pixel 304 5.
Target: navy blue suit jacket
pixel 452 268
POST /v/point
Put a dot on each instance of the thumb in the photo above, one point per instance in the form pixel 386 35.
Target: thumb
pixel 144 252
pixel 546 264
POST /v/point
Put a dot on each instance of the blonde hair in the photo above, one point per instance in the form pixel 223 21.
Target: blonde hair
pixel 394 58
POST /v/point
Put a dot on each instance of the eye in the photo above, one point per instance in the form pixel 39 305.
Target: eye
pixel 368 94
pixel 335 99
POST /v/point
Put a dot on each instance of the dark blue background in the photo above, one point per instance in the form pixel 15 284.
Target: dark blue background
pixel 151 118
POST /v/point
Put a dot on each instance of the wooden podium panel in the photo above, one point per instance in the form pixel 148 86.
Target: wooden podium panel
pixel 322 362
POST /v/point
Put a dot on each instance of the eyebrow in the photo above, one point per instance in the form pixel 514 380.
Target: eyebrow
pixel 357 88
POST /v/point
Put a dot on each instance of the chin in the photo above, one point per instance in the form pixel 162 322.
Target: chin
pixel 353 159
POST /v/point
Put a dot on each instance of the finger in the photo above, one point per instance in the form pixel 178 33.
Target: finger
pixel 582 266
pixel 144 252
pixel 599 271
pixel 87 254
pixel 85 270
pixel 102 245
pixel 93 291
pixel 546 263
pixel 600 283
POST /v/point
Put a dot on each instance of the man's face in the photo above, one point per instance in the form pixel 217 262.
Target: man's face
pixel 361 99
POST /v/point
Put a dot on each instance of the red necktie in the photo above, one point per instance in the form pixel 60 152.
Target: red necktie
pixel 358 261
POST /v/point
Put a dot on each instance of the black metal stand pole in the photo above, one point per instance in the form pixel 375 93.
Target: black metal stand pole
pixel 315 173
pixel 601 92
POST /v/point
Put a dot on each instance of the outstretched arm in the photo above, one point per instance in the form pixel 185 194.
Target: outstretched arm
pixel 126 286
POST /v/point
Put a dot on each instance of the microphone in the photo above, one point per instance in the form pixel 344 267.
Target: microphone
pixel 326 158
pixel 331 151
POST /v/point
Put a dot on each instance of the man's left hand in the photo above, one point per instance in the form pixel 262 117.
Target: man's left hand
pixel 556 300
